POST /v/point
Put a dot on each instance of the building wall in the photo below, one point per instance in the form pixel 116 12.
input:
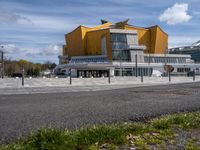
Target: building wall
pixel 159 40
pixel 64 52
pixel 143 36
pixel 77 40
pixel 153 38
pixel 87 41
pixel 194 51
pixel 94 42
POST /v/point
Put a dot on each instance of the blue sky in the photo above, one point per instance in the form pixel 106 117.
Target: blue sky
pixel 34 29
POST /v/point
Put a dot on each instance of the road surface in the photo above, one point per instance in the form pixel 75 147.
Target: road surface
pixel 22 113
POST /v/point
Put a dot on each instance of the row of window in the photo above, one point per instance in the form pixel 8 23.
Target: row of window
pixel 121 41
pixel 195 53
pixel 133 71
pixel 92 73
pixel 118 37
pixel 119 46
pixel 164 60
pixel 88 60
pixel 123 55
pixel 183 69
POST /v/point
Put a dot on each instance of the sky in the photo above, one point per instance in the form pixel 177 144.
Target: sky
pixel 35 29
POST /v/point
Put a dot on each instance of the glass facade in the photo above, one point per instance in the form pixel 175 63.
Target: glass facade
pixel 195 54
pixel 92 73
pixel 90 60
pixel 183 69
pixel 132 71
pixel 194 51
pixel 173 60
pixel 119 44
pixel 122 55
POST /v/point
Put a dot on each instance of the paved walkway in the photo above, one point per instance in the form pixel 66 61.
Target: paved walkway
pixel 59 85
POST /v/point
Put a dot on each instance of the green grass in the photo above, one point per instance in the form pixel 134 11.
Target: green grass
pixel 158 132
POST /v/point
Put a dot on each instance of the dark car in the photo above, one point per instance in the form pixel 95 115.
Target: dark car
pixel 190 73
pixel 14 75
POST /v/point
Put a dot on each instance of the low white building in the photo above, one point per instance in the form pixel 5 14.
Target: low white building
pixel 98 66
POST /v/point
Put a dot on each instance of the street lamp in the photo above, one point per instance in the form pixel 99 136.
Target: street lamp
pixel 2 62
pixel 119 57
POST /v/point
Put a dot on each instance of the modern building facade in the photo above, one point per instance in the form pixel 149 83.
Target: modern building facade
pixel 118 50
pixel 193 50
pixel 108 39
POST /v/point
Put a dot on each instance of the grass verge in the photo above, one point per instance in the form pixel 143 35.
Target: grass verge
pixel 178 131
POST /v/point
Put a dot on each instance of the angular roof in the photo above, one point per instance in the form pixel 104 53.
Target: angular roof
pixel 196 43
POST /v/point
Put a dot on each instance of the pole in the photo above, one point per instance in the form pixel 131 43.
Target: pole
pixel 149 66
pixel 142 76
pixel 136 67
pixel 70 78
pixel 2 61
pixel 23 77
pixel 109 76
pixel 193 75
pixel 120 66
pixel 169 76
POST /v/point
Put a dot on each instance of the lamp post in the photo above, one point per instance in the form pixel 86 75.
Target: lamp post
pixel 120 66
pixel 119 57
pixel 148 64
pixel 136 66
pixel 109 76
pixel 22 76
pixel 70 77
pixel 2 63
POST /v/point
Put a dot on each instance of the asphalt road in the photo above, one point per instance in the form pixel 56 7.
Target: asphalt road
pixel 22 113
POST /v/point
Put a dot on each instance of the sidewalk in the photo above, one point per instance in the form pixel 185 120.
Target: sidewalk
pixel 59 85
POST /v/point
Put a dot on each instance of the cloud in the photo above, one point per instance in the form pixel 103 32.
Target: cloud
pixel 9 48
pixel 50 50
pixel 8 17
pixel 35 53
pixel 48 23
pixel 176 41
pixel 176 14
pixel 48 53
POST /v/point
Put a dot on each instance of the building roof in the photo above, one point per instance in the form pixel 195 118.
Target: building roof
pixel 108 24
pixel 196 43
pixel 191 47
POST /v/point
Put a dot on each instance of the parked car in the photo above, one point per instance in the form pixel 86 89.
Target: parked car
pixel 190 73
pixel 14 75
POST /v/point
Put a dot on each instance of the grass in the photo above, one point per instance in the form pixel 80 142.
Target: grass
pixel 160 133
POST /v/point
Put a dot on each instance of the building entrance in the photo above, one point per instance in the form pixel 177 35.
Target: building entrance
pixel 92 73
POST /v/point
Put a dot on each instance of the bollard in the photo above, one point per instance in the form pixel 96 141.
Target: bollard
pixel 141 77
pixel 169 76
pixel 23 77
pixel 193 75
pixel 109 76
pixel 70 78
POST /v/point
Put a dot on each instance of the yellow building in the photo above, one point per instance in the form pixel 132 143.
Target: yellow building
pixel 118 49
pixel 86 41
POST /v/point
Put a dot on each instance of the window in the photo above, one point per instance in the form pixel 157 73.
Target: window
pixel 119 41
pixel 123 55
pixel 132 71
pixel 119 47
pixel 118 37
pixel 183 69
